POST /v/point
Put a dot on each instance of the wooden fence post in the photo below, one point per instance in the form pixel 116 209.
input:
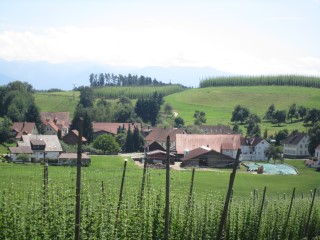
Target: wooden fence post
pixel 121 193
pixel 310 212
pixel 289 213
pixel 228 197
pixel 143 175
pixel 78 183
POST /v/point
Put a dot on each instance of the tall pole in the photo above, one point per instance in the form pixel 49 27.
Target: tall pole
pixel 45 181
pixel 78 184
pixel 120 194
pixel 167 212
pixel 228 197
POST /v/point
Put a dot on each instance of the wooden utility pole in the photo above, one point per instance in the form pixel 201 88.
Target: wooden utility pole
pixel 167 212
pixel 78 183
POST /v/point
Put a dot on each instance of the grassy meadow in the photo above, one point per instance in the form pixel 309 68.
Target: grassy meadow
pixel 219 102
pixel 57 101
pixel 109 170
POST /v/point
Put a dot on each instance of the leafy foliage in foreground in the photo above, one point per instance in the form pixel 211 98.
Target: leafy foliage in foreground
pixel 31 214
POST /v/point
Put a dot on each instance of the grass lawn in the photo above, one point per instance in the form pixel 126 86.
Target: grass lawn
pixel 58 101
pixel 219 102
pixel 109 170
pixel 4 147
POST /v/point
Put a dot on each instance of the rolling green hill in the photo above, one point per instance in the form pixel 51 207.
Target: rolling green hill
pixel 57 101
pixel 219 102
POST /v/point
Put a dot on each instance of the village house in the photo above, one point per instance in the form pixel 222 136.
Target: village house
pixel 253 149
pixel 296 145
pixel 206 157
pixel 227 144
pixel 72 138
pixel 17 152
pixel 54 122
pixel 100 128
pixel 39 146
pixel 160 136
pixel 23 128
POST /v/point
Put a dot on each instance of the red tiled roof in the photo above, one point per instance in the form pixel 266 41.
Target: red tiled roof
pixel 161 134
pixel 112 128
pixel 216 142
pixel 59 119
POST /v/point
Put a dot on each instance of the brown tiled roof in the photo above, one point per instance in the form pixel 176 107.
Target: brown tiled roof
pixel 112 128
pixel 57 120
pixel 38 142
pixel 214 141
pixel 155 146
pixel 23 128
pixel 20 150
pixel 250 141
pixel 196 152
pixel 77 134
pixel 161 134
pixel 294 138
pixel 201 151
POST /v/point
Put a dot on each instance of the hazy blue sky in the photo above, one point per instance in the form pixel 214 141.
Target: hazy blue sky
pixel 245 37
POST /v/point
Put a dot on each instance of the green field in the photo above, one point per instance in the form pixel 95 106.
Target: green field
pixel 57 101
pixel 219 102
pixel 108 169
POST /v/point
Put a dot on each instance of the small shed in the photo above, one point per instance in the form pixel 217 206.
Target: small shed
pixel 158 156
pixel 70 159
pixel 206 157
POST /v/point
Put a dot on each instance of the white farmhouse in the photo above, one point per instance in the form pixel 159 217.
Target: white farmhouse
pixel 253 149
pixel 39 146
pixel 296 145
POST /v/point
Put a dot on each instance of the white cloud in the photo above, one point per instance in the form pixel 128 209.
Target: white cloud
pixel 223 47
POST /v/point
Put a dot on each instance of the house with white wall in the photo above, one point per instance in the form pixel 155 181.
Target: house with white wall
pixel 253 149
pixel 39 146
pixel 296 145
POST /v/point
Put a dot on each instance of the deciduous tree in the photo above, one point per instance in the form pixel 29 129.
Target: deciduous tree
pixel 106 143
pixel 240 114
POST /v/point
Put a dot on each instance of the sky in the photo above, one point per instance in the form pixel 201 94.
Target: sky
pixel 235 36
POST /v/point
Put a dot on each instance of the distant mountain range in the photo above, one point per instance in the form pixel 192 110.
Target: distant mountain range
pixel 44 75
